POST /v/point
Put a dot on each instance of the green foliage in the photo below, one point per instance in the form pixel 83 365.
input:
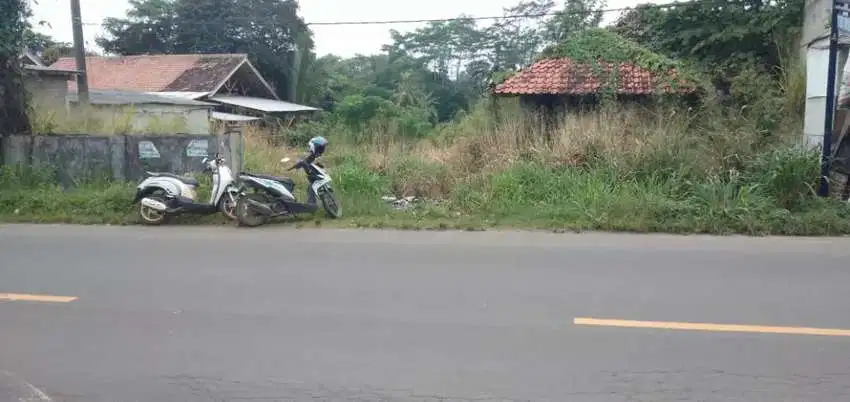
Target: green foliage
pixel 501 76
pixel 601 44
pixel 788 175
pixel 771 196
pixel 577 16
pixel 756 91
pixel 357 110
pixel 363 113
pixel 13 97
pixel 725 37
pixel 46 48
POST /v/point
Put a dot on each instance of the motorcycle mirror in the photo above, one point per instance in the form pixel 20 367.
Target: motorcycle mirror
pixel 284 160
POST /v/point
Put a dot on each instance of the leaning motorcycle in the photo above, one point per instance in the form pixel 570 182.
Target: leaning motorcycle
pixel 272 196
pixel 162 195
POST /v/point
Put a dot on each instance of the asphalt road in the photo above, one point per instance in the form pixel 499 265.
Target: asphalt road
pixel 277 314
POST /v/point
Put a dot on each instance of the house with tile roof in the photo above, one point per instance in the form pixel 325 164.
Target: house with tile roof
pixel 575 73
pixel 227 80
pixel 564 82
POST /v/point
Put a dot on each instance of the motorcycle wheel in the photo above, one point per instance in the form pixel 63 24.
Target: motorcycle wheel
pixel 227 205
pixel 330 204
pixel 151 216
pixel 245 215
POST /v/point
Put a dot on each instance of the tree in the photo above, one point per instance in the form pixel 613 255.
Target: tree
pixel 13 102
pixel 514 42
pixel 36 42
pixel 445 47
pixel 58 50
pixel 576 16
pixel 148 28
pixel 269 31
pixel 724 36
pixel 46 48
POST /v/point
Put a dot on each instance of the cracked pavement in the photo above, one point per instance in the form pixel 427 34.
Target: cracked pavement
pixel 276 314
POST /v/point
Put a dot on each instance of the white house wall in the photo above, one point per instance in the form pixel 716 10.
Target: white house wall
pixel 815 22
pixel 817 64
pixel 815 47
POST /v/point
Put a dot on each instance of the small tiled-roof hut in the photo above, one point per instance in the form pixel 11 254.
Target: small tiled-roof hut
pixel 563 82
pixel 579 71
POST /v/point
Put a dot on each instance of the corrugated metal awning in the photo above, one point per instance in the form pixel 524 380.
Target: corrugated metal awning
pixel 261 104
pixel 182 94
pixel 111 97
pixel 232 117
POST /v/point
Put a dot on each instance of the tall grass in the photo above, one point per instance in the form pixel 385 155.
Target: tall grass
pixel 713 169
pixel 618 168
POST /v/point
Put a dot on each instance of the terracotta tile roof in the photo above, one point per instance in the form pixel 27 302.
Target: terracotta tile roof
pixel 563 76
pixel 156 73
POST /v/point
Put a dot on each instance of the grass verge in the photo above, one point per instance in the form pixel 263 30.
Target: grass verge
pixel 659 179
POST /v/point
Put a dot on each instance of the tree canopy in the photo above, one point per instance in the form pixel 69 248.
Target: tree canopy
pixel 722 37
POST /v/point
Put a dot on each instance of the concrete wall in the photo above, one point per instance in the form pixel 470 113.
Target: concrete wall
pixel 81 158
pixel 187 119
pixel 814 47
pixel 46 90
pixel 815 22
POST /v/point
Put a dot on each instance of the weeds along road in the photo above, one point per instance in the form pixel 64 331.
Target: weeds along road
pixel 277 314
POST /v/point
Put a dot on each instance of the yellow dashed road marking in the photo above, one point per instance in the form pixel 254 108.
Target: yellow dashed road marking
pixel 35 298
pixel 690 326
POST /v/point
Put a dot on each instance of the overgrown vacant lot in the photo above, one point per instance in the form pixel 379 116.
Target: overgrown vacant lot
pixel 673 170
pixel 418 118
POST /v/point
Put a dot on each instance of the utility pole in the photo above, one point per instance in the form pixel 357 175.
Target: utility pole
pixel 80 53
pixel 839 25
pixel 829 118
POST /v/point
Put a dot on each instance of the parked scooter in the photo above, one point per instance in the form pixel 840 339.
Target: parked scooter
pixel 273 196
pixel 166 194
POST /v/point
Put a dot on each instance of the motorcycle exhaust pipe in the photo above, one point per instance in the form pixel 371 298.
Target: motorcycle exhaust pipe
pixel 259 207
pixel 154 204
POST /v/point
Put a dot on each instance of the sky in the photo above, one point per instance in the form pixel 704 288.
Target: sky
pixel 342 40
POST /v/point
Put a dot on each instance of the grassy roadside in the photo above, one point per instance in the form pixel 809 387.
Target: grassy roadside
pixel 770 194
pixel 627 209
pixel 715 169
pixel 728 165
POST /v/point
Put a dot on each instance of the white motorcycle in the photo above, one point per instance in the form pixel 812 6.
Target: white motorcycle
pixel 166 194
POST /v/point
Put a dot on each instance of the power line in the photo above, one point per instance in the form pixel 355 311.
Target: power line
pixel 463 18
pixel 505 17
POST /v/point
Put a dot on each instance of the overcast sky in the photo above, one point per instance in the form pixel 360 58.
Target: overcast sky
pixel 343 40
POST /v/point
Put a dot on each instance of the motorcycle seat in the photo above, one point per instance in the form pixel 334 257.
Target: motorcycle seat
pixel 285 180
pixel 188 180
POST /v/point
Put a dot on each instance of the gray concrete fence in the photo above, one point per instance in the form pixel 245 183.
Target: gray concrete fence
pixel 79 158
